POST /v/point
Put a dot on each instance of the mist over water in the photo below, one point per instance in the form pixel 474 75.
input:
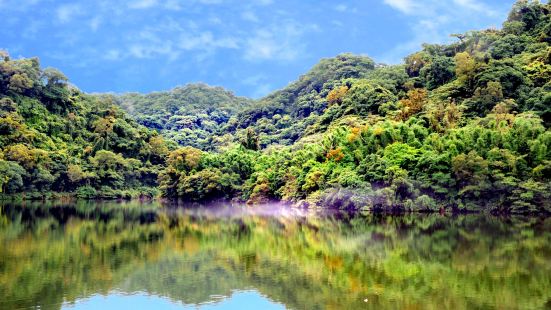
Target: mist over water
pixel 91 255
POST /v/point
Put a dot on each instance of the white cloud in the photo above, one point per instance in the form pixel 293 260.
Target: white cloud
pixel 278 42
pixel 172 5
pixel 337 23
pixel 206 41
pixel 18 5
pixel 112 54
pixel 32 29
pixel 210 1
pixel 142 4
pixel 250 16
pixel 215 20
pixel 67 12
pixel 405 6
pixel 341 8
pixel 437 7
pixel 259 83
pixel 475 5
pixel 263 2
pixel 94 23
pixel 431 21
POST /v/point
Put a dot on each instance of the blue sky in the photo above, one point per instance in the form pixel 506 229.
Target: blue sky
pixel 249 46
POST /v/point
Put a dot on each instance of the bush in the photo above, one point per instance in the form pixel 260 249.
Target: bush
pixel 86 192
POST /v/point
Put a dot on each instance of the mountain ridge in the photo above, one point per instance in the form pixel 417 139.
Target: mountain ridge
pixel 459 127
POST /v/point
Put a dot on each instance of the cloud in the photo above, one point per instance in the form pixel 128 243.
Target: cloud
pixel 32 29
pixel 475 5
pixel 431 21
pixel 171 40
pixel 405 6
pixel 250 16
pixel 65 13
pixel 94 23
pixel 112 54
pixel 278 42
pixel 18 5
pixel 341 8
pixel 263 2
pixel 210 1
pixel 142 4
pixel 206 41
pixel 436 7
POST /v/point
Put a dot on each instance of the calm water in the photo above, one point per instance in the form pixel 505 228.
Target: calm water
pixel 120 256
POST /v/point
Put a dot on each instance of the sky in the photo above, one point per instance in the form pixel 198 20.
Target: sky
pixel 251 47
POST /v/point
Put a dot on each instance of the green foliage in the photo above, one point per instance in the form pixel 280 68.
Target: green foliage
pixel 54 138
pixel 57 254
pixel 86 192
pixel 438 72
pixel 191 115
pixel 459 127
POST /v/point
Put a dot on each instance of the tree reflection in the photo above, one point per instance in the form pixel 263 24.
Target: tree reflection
pixel 52 254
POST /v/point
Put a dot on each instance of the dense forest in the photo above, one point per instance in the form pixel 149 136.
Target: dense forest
pixel 57 139
pixel 462 127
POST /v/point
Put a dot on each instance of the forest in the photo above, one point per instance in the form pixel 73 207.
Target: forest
pixel 459 127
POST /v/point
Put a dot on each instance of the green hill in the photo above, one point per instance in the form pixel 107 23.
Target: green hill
pixel 54 139
pixel 190 115
pixel 462 127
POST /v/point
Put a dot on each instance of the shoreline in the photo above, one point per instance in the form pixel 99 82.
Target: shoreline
pixel 66 199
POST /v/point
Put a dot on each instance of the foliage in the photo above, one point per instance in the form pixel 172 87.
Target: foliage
pixel 460 127
pixel 56 254
pixel 463 127
pixel 55 138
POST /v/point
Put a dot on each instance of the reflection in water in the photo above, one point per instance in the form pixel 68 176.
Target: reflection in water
pixel 239 300
pixel 108 255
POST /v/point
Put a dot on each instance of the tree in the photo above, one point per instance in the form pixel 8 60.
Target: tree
pixel 438 72
pixel 110 168
pixel 203 185
pixel 465 67
pixel 485 98
pixel 184 159
pixel 159 148
pixel 471 173
pixel 415 62
pixel 336 95
pixel 250 141
pixel 365 98
pixel 414 103
pixel 54 77
pixel 21 154
pixel 11 176
pixel 508 46
pixel 20 83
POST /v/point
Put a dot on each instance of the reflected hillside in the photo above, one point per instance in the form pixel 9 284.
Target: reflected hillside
pixel 303 259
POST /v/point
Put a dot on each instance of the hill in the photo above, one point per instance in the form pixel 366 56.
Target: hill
pixel 190 115
pixel 461 127
pixel 55 138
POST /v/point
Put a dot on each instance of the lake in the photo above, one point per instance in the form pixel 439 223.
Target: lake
pixel 91 255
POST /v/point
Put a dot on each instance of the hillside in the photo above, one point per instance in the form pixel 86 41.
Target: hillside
pixel 190 115
pixel 208 117
pixel 55 138
pixel 458 127
pixel 461 127
pixel 283 116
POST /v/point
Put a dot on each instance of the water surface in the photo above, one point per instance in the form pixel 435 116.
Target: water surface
pixel 144 256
